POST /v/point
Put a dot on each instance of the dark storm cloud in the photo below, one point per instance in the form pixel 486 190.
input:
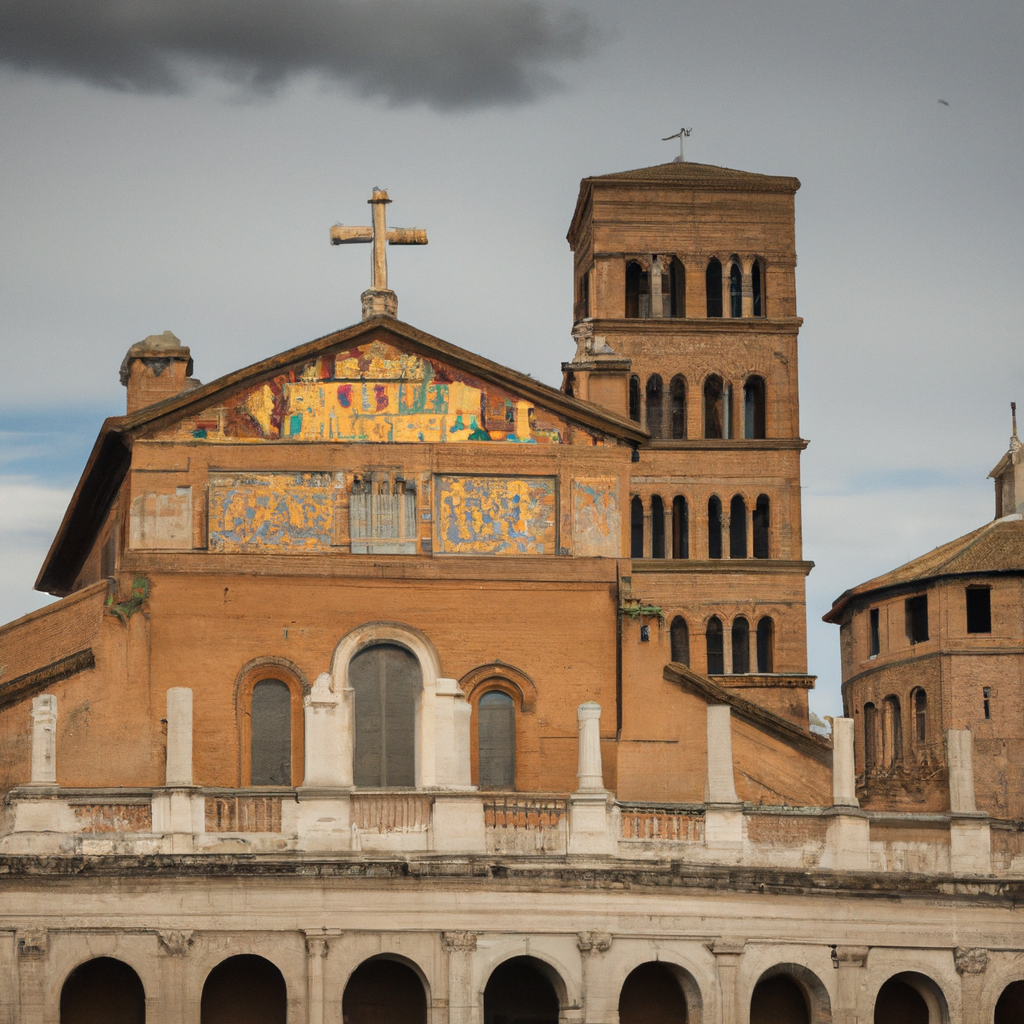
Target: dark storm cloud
pixel 445 53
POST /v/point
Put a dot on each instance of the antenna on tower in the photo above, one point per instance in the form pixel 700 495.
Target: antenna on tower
pixel 683 133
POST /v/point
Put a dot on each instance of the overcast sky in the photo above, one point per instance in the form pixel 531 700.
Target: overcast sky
pixel 176 165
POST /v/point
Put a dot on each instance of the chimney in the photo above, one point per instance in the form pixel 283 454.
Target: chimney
pixel 157 368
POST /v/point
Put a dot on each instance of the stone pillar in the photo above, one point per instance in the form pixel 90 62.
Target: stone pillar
pixel 592 947
pixel 726 294
pixel 589 825
pixel 960 762
pixel 696 284
pixel 848 840
pixel 844 781
pixel 657 302
pixel 850 961
pixel 747 287
pixel 971 965
pixel 589 772
pixel 970 849
pixel 726 522
pixel 669 522
pixel 179 737
pixel 33 992
pixel 727 959
pixel 44 740
pixel 648 531
pixel 459 947
pixel 323 714
pixel 317 949
pixel 723 820
pixel 173 949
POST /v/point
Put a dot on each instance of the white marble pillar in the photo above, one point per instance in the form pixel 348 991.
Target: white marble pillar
pixel 723 819
pixel 844 781
pixel 589 774
pixel 970 849
pixel 590 824
pixel 178 770
pixel 960 762
pixel 325 764
pixel 44 740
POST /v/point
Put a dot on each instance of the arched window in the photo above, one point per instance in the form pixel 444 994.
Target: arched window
pixel 679 634
pixel 655 411
pixel 740 646
pixel 634 398
pixel 753 407
pixel 384 991
pixel 496 740
pixel 677 401
pixel 713 285
pixel 892 731
pixel 766 645
pixel 271 738
pixel 737 527
pixel 583 296
pixel 715 641
pixel 870 736
pixel 386 681
pixel 103 989
pixel 762 522
pixel 714 407
pixel 680 527
pixel 657 527
pixel 244 987
pixel 636 527
pixel 519 990
pixel 735 290
pixel 651 992
pixel 757 287
pixel 638 291
pixel 920 701
pixel 714 527
pixel 676 288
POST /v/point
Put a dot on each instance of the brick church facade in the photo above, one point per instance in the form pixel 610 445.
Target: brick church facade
pixel 389 684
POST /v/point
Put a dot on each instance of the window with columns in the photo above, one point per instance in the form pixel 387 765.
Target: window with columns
pixel 677 406
pixel 714 526
pixel 766 645
pixel 634 398
pixel 735 289
pixel 655 409
pixel 761 523
pixel 636 527
pixel 715 642
pixel 638 291
pixel 657 527
pixel 740 645
pixel 757 288
pixel 680 527
pixel 676 288
pixel 737 527
pixel 713 287
pixel 754 407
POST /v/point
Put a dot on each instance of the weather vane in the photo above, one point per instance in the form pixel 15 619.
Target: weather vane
pixel 683 133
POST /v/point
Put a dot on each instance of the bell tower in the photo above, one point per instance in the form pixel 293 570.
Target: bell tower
pixel 685 320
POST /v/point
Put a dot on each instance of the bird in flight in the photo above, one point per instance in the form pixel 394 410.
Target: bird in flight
pixel 945 103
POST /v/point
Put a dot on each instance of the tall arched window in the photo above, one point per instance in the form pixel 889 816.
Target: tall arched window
pixel 679 635
pixel 655 410
pixel 680 527
pixel 714 526
pixel 761 524
pixel 892 731
pixel 920 699
pixel 271 738
pixel 715 641
pixel 737 527
pixel 677 288
pixel 757 286
pixel 740 645
pixel 713 285
pixel 677 400
pixel 657 527
pixel 496 740
pixel 714 407
pixel 766 645
pixel 636 527
pixel 387 681
pixel 870 736
pixel 754 407
pixel 735 290
pixel 638 291
pixel 634 398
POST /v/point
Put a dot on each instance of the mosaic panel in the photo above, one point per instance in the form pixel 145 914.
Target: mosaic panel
pixel 596 522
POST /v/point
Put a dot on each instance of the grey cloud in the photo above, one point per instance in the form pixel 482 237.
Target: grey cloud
pixel 444 53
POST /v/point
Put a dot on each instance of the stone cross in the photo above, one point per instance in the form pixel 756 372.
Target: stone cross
pixel 378 299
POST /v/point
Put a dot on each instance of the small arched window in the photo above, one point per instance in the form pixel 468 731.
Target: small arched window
pixel 496 740
pixel 679 634
pixel 634 398
pixel 714 407
pixel 892 731
pixel 636 528
pixel 583 296
pixel 761 524
pixel 754 407
pixel 740 646
pixel 920 700
pixel 677 400
pixel 638 291
pixel 680 527
pixel 714 526
pixel 713 285
pixel 737 527
pixel 715 646
pixel 757 287
pixel 870 736
pixel 766 645
pixel 657 527
pixel 677 288
pixel 271 741
pixel 655 411
pixel 735 290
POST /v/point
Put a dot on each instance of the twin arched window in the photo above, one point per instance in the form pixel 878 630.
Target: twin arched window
pixel 761 522
pixel 713 280
pixel 740 643
pixel 658 292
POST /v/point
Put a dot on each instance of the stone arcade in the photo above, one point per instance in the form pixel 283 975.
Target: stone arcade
pixel 389 685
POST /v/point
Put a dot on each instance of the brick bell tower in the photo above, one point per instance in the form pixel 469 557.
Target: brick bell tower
pixel 685 320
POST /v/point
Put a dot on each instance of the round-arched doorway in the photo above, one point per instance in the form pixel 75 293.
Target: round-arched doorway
pixel 520 991
pixel 103 991
pixel 244 989
pixel 384 991
pixel 651 994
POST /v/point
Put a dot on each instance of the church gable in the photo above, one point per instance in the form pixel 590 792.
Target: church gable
pixel 374 392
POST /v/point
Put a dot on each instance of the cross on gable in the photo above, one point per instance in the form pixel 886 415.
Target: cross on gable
pixel 378 299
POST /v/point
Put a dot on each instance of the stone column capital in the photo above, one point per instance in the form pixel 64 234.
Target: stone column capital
pixel 458 942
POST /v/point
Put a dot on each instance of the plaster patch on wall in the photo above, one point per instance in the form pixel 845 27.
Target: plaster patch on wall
pixel 496 515
pixel 275 512
pixel 596 522
pixel 161 520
